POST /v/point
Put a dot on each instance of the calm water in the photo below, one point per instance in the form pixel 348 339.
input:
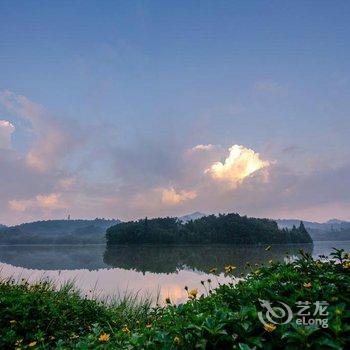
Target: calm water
pixel 148 270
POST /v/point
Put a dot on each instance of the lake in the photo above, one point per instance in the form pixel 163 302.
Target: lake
pixel 146 270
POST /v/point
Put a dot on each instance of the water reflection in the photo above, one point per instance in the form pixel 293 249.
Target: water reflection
pixel 144 269
pixel 169 259
pixel 155 259
pixel 51 257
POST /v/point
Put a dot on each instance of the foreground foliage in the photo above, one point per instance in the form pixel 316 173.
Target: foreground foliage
pixel 40 317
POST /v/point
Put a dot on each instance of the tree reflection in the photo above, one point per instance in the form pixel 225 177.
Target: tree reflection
pixel 169 259
pixel 54 257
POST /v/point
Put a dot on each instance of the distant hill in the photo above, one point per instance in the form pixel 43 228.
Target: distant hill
pixel 211 229
pixel 332 230
pixel 194 216
pixel 57 232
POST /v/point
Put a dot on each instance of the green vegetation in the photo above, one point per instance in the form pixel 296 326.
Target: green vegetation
pixel 225 318
pixel 53 318
pixel 57 232
pixel 225 228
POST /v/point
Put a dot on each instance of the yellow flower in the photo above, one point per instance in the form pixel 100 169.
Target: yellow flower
pixel 125 329
pixel 268 248
pixel 270 262
pixel 338 311
pixel 18 348
pixel 104 337
pixel 229 268
pixel 346 265
pixel 33 343
pixel 13 321
pixel 269 327
pixel 148 325
pixel 19 341
pixel 307 285
pixel 74 336
pixel 213 270
pixel 192 294
pixel 176 340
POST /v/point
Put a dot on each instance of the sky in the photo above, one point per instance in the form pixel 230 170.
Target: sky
pixel 127 109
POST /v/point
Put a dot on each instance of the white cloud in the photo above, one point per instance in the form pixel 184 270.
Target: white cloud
pixel 6 130
pixel 203 147
pixel 241 163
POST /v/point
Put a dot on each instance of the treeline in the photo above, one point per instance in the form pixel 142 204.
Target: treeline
pixel 224 228
pixel 61 227
pixel 57 232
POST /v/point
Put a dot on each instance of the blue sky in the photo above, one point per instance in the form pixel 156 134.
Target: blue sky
pixel 112 96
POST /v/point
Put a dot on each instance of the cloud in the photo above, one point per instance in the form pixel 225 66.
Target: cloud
pixel 6 130
pixel 54 140
pixel 66 183
pixel 172 197
pixel 203 147
pixel 241 163
pixel 164 175
pixel 46 202
pixel 40 176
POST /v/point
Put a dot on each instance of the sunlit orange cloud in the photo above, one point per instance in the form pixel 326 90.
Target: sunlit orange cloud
pixel 241 163
pixel 172 197
pixel 51 201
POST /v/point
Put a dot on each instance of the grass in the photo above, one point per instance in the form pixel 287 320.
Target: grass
pixel 40 317
pixel 40 313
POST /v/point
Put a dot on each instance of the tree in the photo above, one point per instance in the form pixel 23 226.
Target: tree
pixel 225 228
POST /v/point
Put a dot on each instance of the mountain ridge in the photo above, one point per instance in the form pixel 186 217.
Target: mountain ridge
pixel 57 232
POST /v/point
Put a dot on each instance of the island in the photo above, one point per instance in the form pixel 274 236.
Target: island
pixel 222 229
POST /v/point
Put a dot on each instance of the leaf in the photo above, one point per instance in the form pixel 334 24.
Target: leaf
pixel 329 342
pixel 256 341
pixel 244 346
